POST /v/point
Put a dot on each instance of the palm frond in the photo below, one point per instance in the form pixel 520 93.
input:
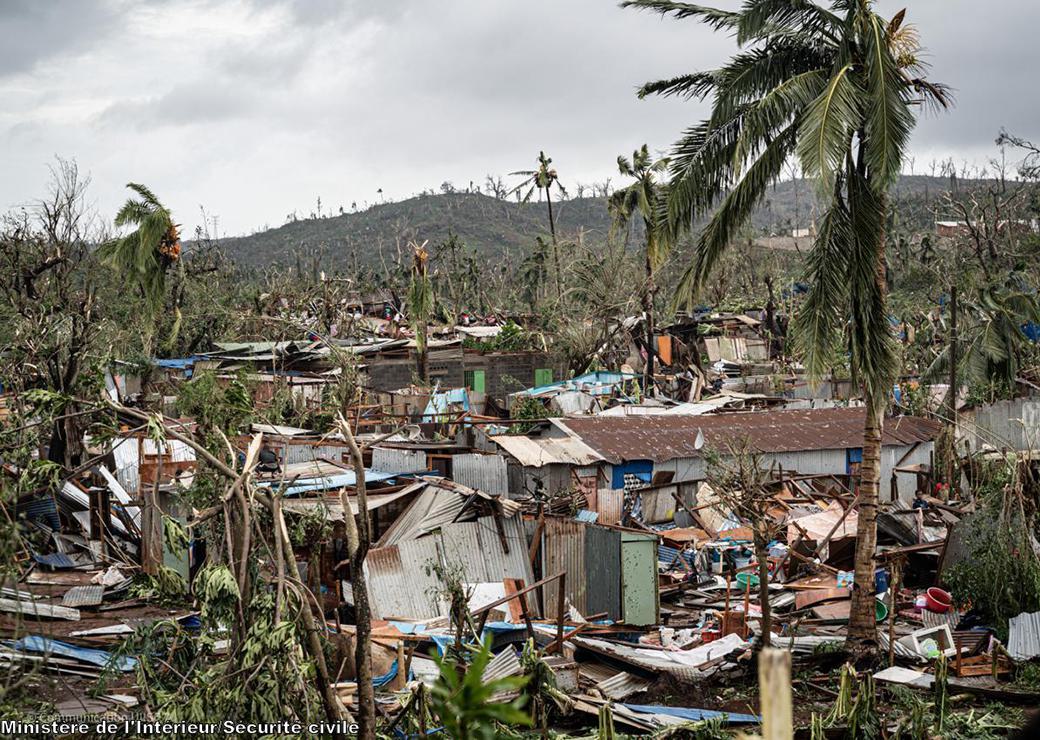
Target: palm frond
pixel 774 111
pixel 817 326
pixel 888 117
pixel 733 212
pixel 688 86
pixel 828 126
pixel 764 18
pixel 752 74
pixel 872 349
pixel 716 18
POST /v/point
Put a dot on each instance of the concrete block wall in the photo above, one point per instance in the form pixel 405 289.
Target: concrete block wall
pixel 505 372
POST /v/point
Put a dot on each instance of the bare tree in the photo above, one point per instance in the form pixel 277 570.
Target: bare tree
pixel 747 488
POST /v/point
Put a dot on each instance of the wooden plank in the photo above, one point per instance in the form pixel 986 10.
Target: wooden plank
pixel 35 609
pixel 818 595
pixel 774 684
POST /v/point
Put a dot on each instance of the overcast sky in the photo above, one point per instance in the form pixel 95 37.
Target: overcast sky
pixel 254 108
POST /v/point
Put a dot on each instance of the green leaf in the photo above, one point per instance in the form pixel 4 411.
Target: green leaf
pixel 827 128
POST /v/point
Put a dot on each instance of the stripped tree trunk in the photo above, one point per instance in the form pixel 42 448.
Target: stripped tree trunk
pixel 648 308
pixel 362 610
pixel 762 554
pixel 555 246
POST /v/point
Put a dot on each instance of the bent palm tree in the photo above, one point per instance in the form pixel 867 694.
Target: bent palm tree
pixel 993 345
pixel 833 86
pixel 543 178
pixel 147 252
pixel 643 198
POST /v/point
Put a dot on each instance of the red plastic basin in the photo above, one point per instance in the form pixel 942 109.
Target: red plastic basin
pixel 938 601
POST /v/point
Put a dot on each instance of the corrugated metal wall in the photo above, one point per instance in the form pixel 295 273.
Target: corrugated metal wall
pixel 394 460
pixel 906 483
pixel 563 549
pixel 551 478
pixel 486 473
pixel 400 586
pixel 603 578
pixel 1014 424
pixel 305 452
pixel 476 548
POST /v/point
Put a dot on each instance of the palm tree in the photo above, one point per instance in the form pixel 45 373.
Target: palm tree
pixel 835 87
pixel 992 346
pixel 643 198
pixel 543 178
pixel 420 306
pixel 146 253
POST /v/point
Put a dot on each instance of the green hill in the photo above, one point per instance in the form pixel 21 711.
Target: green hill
pixel 496 227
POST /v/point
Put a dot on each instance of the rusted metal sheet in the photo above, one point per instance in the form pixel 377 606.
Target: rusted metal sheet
pixel 398 582
pixel 609 504
pixel 396 460
pixel 483 472
pixel 603 578
pixel 663 438
pixel 563 549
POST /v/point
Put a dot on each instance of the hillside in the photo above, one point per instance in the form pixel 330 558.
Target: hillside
pixel 495 227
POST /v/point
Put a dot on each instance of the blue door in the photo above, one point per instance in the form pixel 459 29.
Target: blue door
pixel 642 469
pixel 853 459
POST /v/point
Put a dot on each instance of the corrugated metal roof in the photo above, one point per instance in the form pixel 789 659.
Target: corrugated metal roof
pixel 400 584
pixel 439 503
pixel 503 665
pixel 335 508
pixel 329 482
pixel 663 438
pixel 622 685
pixel 535 452
pixel 83 596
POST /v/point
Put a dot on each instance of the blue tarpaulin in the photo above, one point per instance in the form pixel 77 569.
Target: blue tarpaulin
pixel 694 715
pixel 387 677
pixel 440 402
pixel 100 658
pixel 600 382
pixel 54 560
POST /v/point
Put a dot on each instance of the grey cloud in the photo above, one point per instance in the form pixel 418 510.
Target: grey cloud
pixel 196 103
pixel 343 96
pixel 36 30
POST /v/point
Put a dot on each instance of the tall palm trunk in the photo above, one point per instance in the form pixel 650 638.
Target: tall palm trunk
pixel 862 633
pixel 555 245
pixel 862 636
pixel 648 308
